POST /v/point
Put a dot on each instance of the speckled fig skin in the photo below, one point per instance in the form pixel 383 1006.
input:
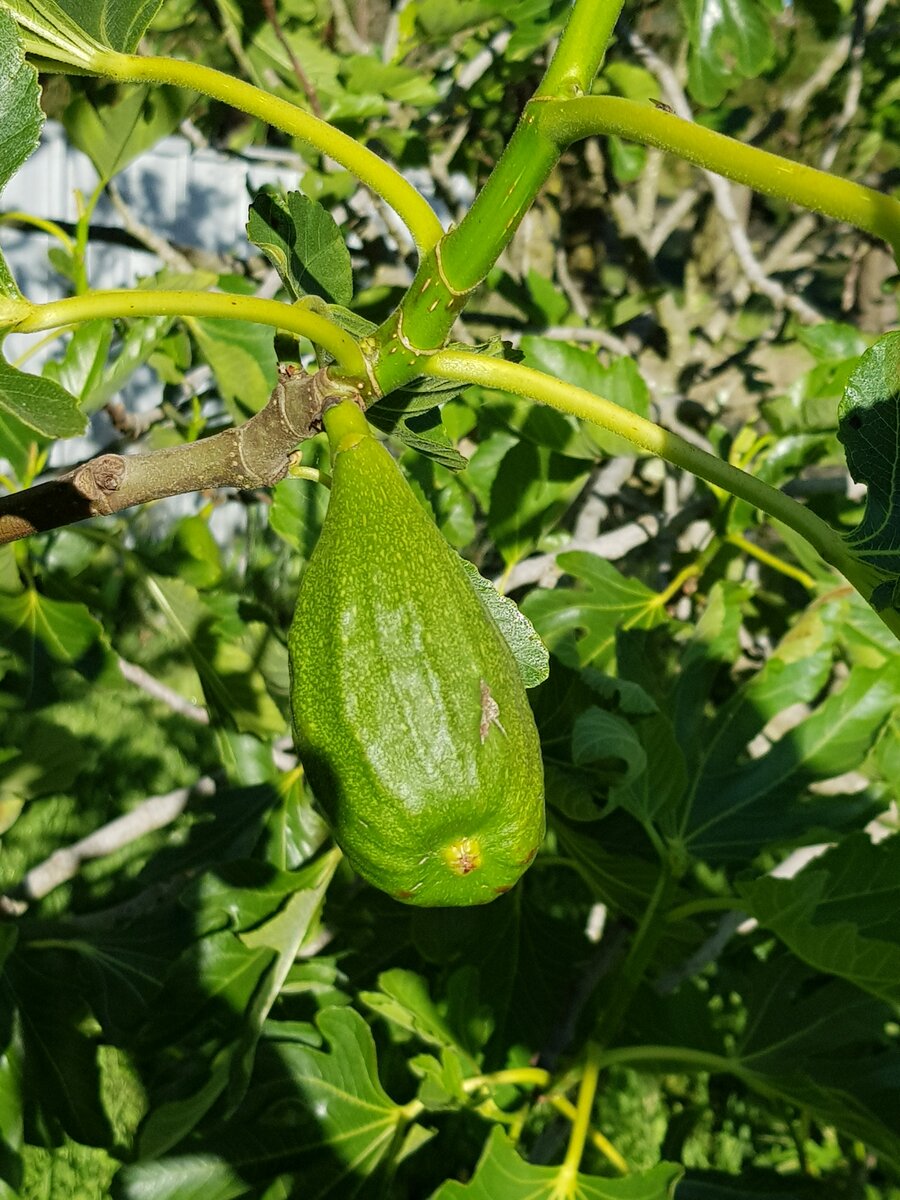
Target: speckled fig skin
pixel 409 713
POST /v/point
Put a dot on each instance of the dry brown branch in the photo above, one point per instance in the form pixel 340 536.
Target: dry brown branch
pixel 303 79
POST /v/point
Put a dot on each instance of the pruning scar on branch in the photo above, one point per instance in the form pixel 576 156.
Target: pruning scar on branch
pixel 253 455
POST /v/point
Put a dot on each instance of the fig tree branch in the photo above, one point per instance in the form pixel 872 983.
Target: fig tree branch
pixel 21 316
pixel 417 214
pixel 535 385
pixel 568 121
pixel 253 455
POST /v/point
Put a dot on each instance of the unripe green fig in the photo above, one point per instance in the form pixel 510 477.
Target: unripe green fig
pixel 410 715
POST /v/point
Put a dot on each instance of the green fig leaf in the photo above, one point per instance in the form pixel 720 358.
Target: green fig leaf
pixel 869 428
pixel 303 242
pixel 530 653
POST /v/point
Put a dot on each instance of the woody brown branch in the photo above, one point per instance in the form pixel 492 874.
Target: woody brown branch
pixel 255 454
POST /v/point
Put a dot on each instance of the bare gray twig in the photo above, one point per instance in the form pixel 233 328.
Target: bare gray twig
pixel 163 249
pixel 159 691
pixel 346 29
pixel 63 865
pixel 723 194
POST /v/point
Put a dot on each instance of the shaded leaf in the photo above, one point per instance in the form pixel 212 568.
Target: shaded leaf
pixel 422 432
pixel 869 427
pixel 113 135
pixel 60 1069
pixel 233 687
pixel 839 913
pixel 220 991
pixel 821 1045
pixel 66 629
pixel 322 1113
pixel 242 357
pixel 764 801
pixel 621 382
pixel 531 490
pixel 602 735
pixel 795 673
pixel 749 1185
pixel 502 1175
pixel 525 961
pixel 607 600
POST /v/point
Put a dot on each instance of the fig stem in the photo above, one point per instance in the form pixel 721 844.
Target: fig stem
pixel 345 425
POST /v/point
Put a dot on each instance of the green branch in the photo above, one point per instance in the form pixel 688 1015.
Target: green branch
pixel 567 1179
pixel 24 317
pixel 467 367
pixel 568 121
pixel 461 260
pixel 700 1060
pixel 581 48
pixel 383 179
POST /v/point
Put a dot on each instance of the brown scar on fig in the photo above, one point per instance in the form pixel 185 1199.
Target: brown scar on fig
pixel 490 713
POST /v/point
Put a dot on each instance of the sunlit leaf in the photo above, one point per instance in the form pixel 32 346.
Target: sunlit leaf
pixel 65 628
pixel 595 610
pixel 729 40
pixel 242 356
pixel 303 242
pixel 71 30
pixel 39 403
pixel 20 116
pixel 529 651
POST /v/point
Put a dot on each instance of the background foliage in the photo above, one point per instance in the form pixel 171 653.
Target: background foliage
pixel 218 1008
